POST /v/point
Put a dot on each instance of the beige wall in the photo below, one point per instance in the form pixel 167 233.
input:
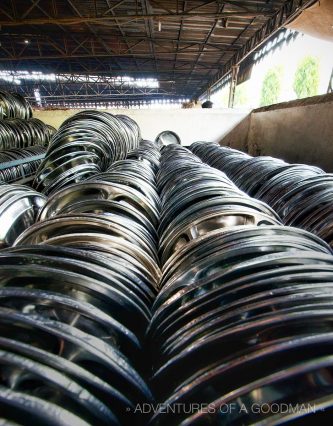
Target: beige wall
pixel 298 132
pixel 190 124
pixel 238 137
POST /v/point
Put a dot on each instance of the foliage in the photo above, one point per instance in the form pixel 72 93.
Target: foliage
pixel 225 96
pixel 271 87
pixel 241 95
pixel 306 80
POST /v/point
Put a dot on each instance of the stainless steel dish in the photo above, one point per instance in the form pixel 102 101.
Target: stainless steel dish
pixel 13 105
pixel 19 208
pixel 98 190
pixel 121 227
pixel 243 300
pixel 167 137
pixel 104 138
pixel 19 133
pixel 299 193
pixel 29 160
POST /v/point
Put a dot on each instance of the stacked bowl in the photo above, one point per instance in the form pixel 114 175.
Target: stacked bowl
pixel 29 159
pixel 85 144
pixel 13 105
pixel 299 193
pixel 18 133
pixel 76 294
pixel 19 208
pixel 242 325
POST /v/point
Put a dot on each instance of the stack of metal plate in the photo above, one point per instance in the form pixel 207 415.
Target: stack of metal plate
pixel 19 133
pixel 76 292
pixel 147 151
pixel 17 164
pixel 242 325
pixel 13 105
pixel 158 292
pixel 299 193
pixel 19 207
pixel 84 145
pixel 197 199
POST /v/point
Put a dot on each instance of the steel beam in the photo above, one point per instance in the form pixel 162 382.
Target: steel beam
pixel 105 20
pixel 234 77
pixel 83 37
pixel 284 15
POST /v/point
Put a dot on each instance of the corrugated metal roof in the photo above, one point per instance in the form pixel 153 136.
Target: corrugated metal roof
pixel 183 44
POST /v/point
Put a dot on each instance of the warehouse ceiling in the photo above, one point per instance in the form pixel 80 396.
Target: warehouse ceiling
pixel 104 49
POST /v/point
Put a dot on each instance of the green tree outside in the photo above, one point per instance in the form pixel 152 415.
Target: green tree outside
pixel 241 95
pixel 225 96
pixel 306 81
pixel 271 87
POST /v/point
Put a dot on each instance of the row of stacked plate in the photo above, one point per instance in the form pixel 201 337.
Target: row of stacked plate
pixel 13 105
pixel 23 139
pixel 18 164
pixel 299 193
pixel 241 327
pixel 76 294
pixel 146 287
pixel 17 133
pixel 85 144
